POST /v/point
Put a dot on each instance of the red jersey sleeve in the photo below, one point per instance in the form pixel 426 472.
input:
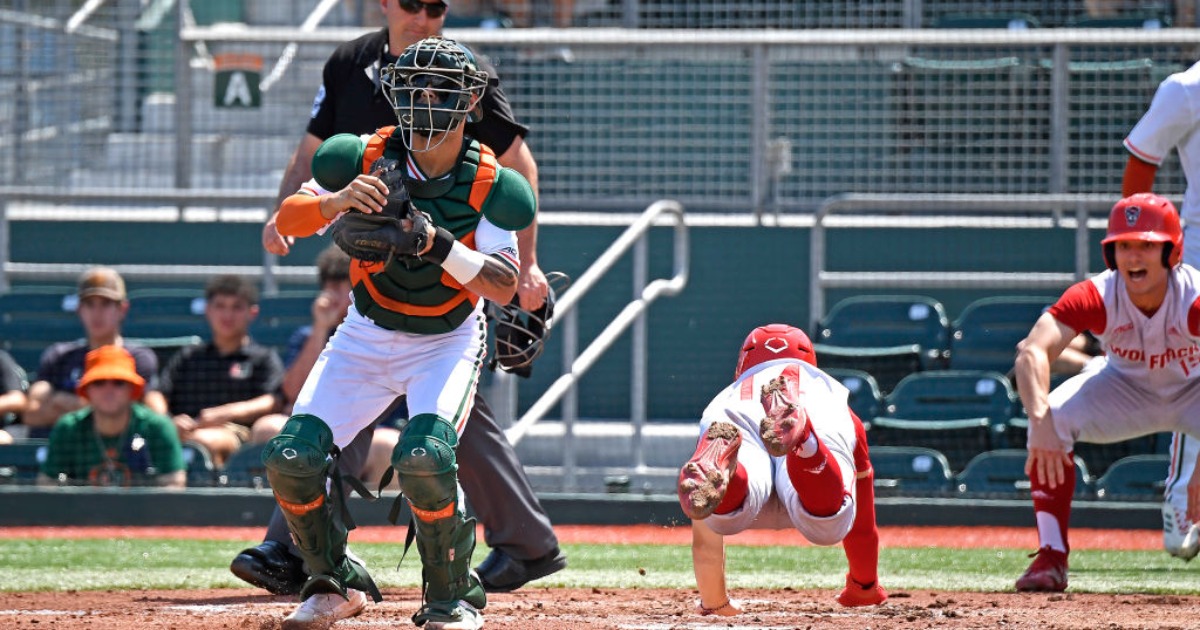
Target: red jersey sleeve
pixel 1081 308
pixel 1193 318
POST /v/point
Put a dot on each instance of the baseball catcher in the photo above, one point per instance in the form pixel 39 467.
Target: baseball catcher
pixel 416 327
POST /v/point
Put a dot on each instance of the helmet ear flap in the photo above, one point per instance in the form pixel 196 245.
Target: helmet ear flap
pixel 1110 256
pixel 1166 256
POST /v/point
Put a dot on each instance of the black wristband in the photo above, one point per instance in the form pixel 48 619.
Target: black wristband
pixel 443 240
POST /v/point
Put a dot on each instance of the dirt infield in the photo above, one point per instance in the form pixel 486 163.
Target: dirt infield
pixel 619 609
pixel 576 609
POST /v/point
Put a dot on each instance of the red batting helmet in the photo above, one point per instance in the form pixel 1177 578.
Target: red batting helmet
pixel 1144 217
pixel 774 341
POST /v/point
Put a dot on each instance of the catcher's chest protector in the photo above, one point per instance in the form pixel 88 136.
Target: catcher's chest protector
pixel 414 295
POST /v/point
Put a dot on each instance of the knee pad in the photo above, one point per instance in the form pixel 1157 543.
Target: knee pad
pixel 424 460
pixel 298 458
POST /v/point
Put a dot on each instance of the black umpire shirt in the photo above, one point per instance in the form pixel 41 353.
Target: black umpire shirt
pixel 351 97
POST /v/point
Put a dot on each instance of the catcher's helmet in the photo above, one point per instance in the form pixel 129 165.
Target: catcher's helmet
pixel 432 87
pixel 774 341
pixel 1144 217
pixel 520 334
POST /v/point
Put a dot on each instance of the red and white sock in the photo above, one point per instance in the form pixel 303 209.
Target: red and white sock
pixel 1052 508
pixel 816 476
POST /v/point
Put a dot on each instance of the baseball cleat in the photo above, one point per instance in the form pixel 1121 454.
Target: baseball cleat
pixel 502 573
pixel 1181 537
pixel 704 479
pixel 463 616
pixel 269 566
pixel 1047 573
pixel 856 594
pixel 786 423
pixel 321 610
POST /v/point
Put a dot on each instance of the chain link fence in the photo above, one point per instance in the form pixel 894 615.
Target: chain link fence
pixel 721 120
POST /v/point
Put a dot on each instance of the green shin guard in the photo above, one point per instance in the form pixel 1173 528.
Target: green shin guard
pixel 298 467
pixel 426 463
pixel 446 546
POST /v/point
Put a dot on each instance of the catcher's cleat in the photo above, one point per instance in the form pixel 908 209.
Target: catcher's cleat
pixel 461 616
pixel 1047 573
pixel 1181 537
pixel 704 479
pixel 786 423
pixel 502 573
pixel 321 610
pixel 856 594
pixel 269 566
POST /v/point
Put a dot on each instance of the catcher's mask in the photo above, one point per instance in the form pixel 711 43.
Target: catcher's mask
pixel 432 87
pixel 520 334
pixel 1144 217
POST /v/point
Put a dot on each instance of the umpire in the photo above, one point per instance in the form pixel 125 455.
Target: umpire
pixel 351 100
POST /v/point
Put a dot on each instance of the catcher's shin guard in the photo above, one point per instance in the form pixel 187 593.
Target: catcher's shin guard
pixel 298 466
pixel 425 461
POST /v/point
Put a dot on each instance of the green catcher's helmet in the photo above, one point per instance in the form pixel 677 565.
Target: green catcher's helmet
pixel 432 87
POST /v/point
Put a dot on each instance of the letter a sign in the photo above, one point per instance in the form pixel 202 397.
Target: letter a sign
pixel 237 80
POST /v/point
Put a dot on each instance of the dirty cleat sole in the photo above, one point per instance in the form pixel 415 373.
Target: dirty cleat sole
pixel 704 479
pixel 786 423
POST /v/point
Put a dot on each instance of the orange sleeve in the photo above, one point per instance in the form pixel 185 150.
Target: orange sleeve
pixel 300 215
pixel 1139 176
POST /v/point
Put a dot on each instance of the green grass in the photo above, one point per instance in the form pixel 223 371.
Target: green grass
pixel 55 564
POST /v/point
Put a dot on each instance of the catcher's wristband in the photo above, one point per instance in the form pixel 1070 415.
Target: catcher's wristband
pixel 460 261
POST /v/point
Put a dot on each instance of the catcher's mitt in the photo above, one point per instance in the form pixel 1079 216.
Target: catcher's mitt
pixel 378 237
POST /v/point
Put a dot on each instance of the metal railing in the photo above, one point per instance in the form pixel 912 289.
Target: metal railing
pixel 1065 211
pixel 576 364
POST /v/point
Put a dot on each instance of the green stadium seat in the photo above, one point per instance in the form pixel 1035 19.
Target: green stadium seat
pixel 199 463
pixel 1001 473
pixel 986 334
pixel 20 461
pixel 887 336
pixel 245 468
pixel 909 470
pixel 38 305
pixel 958 412
pixel 1148 21
pixel 1011 21
pixel 166 313
pixel 280 315
pixel 1134 478
pixel 865 397
pixel 166 347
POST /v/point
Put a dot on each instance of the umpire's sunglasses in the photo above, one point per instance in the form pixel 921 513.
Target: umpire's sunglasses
pixel 433 10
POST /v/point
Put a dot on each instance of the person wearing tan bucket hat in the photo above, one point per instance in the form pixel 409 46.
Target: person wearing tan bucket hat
pixel 101 304
pixel 114 440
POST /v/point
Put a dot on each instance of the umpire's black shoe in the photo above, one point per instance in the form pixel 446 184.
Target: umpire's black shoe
pixel 270 566
pixel 501 573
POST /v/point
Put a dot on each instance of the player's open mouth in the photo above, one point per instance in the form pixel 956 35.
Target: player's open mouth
pixel 1137 274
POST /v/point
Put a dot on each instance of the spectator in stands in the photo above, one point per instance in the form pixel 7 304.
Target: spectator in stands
pixel 115 441
pixel 102 307
pixel 12 395
pixel 351 100
pixel 217 389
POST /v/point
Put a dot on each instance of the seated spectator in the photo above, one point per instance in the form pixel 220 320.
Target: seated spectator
pixel 329 308
pixel 115 441
pixel 102 307
pixel 216 390
pixel 12 395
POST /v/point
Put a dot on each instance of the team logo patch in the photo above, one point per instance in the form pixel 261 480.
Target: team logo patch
pixel 776 344
pixel 1132 213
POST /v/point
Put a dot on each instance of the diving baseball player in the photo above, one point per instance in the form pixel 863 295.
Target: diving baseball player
pixel 1171 122
pixel 1146 311
pixel 443 242
pixel 780 448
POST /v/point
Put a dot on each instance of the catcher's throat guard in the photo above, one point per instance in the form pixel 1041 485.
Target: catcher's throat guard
pixel 521 335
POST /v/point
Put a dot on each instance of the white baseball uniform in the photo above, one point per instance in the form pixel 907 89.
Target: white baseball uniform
pixel 1171 122
pixel 1151 381
pixel 771 501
